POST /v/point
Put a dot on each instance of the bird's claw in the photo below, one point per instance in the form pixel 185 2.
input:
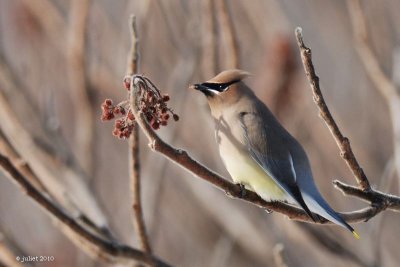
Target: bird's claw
pixel 268 211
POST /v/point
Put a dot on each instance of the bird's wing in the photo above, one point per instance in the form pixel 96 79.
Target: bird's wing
pixel 273 157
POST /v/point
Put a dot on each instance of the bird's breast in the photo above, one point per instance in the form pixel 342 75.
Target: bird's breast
pixel 241 166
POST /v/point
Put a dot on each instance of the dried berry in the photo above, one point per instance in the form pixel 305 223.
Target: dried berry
pixel 165 116
pixel 108 102
pixel 165 98
pixel 118 124
pixel 127 83
pixel 131 116
pixel 155 125
pixel 150 102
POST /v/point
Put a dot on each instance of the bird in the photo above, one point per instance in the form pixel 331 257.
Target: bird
pixel 257 151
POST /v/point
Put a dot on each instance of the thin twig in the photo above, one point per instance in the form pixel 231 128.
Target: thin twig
pixel 210 59
pixel 392 202
pixel 343 142
pixel 228 31
pixel 61 179
pixel 182 158
pixel 20 164
pixel 53 23
pixel 383 83
pixel 381 201
pixel 68 189
pixel 9 253
pixel 134 160
pixel 133 57
pixel 103 249
pixel 84 117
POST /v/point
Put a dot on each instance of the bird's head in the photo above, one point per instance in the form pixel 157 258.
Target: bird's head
pixel 222 86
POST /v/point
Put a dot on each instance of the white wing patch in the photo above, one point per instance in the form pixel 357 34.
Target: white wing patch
pixel 292 167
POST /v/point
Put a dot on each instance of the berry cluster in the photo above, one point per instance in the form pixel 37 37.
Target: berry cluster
pixel 155 109
pixel 151 103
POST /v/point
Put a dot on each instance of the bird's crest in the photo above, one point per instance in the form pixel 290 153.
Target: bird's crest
pixel 229 76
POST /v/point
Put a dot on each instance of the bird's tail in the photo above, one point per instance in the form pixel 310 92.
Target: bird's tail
pixel 318 205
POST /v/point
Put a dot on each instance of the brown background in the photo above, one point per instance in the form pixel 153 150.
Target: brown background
pixel 191 223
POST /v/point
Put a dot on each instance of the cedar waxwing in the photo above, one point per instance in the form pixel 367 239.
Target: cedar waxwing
pixel 257 151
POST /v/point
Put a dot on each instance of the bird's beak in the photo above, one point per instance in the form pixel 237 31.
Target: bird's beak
pixel 198 87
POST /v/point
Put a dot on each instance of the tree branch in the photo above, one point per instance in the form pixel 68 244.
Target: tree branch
pixel 134 160
pixel 9 252
pixel 343 142
pixel 103 249
pixel 364 191
pixel 382 82
pixel 84 117
pixel 228 31
pixel 372 196
pixel 209 48
pixel 69 189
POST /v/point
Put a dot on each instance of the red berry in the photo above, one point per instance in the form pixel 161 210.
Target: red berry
pixel 118 124
pixel 127 83
pixel 155 125
pixel 165 116
pixel 165 98
pixel 176 117
pixel 131 116
pixel 108 102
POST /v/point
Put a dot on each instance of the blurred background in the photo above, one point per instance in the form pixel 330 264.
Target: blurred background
pixel 60 59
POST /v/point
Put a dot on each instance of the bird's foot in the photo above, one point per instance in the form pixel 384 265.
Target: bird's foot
pixel 268 211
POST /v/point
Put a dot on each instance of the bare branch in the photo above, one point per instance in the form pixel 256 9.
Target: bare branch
pixel 101 248
pixel 343 142
pixel 20 164
pixel 133 57
pixel 84 117
pixel 379 200
pixel 372 196
pixel 210 57
pixel 53 22
pixel 134 161
pixel 382 82
pixel 9 253
pixel 69 189
pixel 228 31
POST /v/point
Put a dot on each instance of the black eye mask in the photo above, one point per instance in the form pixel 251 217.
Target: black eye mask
pixel 220 87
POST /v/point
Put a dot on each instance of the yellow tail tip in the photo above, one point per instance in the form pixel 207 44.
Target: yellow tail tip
pixel 356 235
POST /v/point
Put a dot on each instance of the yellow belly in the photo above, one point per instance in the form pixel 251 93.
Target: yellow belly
pixel 246 171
